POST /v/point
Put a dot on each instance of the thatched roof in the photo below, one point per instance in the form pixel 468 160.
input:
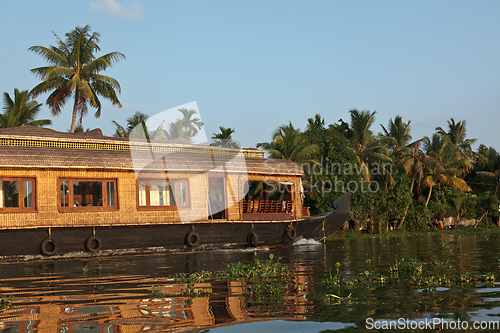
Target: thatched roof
pixel 33 147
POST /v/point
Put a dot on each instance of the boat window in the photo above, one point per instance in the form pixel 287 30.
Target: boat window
pixel 269 197
pixel 110 188
pixel 64 194
pixel 85 194
pixel 269 190
pixel 162 194
pixel 28 193
pixel 17 194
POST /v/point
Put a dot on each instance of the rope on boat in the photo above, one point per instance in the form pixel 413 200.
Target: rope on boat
pixel 324 233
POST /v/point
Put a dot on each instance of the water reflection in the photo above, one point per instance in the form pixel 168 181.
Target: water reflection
pixel 115 294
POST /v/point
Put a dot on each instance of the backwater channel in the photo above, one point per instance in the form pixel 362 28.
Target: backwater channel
pixel 410 281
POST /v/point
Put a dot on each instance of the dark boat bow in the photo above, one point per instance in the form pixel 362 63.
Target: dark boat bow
pixel 328 223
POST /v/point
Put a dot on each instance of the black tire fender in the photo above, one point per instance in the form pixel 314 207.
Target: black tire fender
pixel 291 233
pixel 192 239
pixel 252 239
pixel 49 246
pixel 90 243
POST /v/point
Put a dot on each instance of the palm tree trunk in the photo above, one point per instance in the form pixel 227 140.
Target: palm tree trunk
pixel 75 110
pixel 400 223
pixel 428 197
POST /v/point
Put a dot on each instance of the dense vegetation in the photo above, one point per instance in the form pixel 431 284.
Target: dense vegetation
pixel 394 181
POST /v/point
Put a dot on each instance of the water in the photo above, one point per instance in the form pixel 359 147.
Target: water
pixel 115 294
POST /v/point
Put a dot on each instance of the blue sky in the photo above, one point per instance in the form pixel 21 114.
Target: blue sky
pixel 256 65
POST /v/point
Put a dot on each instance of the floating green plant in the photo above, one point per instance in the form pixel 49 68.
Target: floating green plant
pixel 412 272
pixel 334 299
pixel 5 302
pixel 86 270
pixel 489 277
pixel 156 292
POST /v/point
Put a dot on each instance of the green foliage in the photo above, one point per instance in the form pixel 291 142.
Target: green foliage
pixel 5 302
pixel 156 292
pixel 73 72
pixel 86 270
pixel 418 218
pixel 329 179
pixel 369 205
pixel 410 272
pixel 289 143
pixel 399 195
pixel 256 270
pixel 138 118
pixel 224 138
pixel 22 110
pixel 263 282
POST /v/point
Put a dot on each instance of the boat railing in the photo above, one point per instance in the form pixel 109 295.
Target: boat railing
pixel 267 206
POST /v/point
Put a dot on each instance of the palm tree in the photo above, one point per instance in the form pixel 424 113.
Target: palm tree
pixel 80 129
pixel 190 125
pixel 399 131
pixel 175 130
pixel 224 138
pixel 132 122
pixel 457 135
pixel 443 150
pixel 491 164
pixel 417 165
pixel 370 151
pixel 289 144
pixel 74 72
pixel 21 111
pixel 186 127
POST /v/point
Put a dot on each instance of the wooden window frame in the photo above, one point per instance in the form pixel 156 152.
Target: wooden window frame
pixel 71 204
pixel 176 194
pixel 20 195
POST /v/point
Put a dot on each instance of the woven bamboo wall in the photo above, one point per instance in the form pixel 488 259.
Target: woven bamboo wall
pixel 49 215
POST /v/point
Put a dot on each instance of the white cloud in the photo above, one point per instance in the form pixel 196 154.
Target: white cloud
pixel 133 10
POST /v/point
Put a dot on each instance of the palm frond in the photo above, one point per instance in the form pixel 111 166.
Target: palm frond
pixel 102 63
pixel 50 55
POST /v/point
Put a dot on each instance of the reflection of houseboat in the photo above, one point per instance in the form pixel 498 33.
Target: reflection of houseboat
pixel 84 192
pixel 130 310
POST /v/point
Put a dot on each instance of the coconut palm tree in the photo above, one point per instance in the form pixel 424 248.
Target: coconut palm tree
pixel 132 122
pixel 290 144
pixel 491 164
pixel 21 111
pixel 443 150
pixel 175 130
pixel 73 72
pixel 417 165
pixel 80 129
pixel 400 132
pixel 371 152
pixel 457 135
pixel 190 125
pixel 224 138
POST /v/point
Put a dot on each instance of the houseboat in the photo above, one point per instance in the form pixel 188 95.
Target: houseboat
pixel 80 194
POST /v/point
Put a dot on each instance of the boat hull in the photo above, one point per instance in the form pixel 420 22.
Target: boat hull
pixel 25 244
